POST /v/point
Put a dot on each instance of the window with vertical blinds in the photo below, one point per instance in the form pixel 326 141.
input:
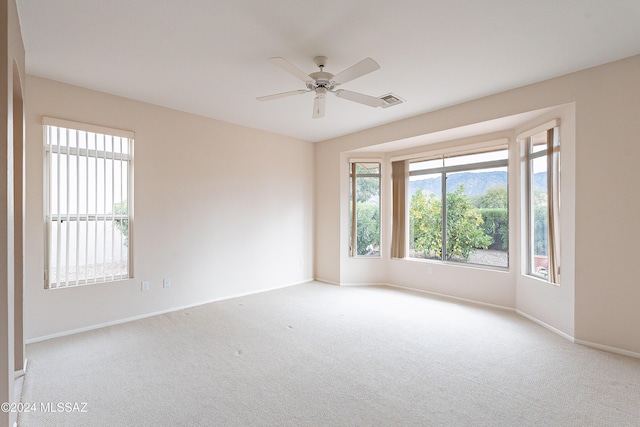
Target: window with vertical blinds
pixel 88 203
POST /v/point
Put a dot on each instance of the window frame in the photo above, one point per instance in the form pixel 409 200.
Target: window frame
pixel 552 155
pixel 76 153
pixel 353 212
pixel 444 171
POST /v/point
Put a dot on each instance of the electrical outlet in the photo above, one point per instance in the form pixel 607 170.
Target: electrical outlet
pixel 430 270
pixel 166 282
pixel 145 285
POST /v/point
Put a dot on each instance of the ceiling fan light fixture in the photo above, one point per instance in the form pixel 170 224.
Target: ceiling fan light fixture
pixel 319 103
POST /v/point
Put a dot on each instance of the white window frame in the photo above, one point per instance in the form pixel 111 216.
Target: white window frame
pixel 63 128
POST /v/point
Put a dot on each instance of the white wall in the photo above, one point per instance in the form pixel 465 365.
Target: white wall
pixel 220 209
pixel 599 300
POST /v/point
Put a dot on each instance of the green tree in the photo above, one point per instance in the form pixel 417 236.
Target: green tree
pixel 464 225
pixel 368 188
pixel 368 228
pixel 122 224
pixel 493 208
pixel 496 225
pixel 540 230
pixel 493 198
pixel 425 223
pixel 465 233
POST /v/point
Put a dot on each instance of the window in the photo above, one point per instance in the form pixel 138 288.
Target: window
pixel 458 208
pixel 543 204
pixel 364 209
pixel 88 203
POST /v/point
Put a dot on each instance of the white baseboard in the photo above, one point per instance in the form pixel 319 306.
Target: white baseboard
pixel 362 284
pixel 155 313
pixel 609 349
pixel 578 341
pixel 470 301
pixel 547 326
pixel 329 282
pixel 355 285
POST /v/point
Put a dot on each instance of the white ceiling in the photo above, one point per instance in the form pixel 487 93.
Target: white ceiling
pixel 209 57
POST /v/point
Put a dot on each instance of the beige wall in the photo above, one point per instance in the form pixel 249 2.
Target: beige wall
pixel 599 300
pixel 220 209
pixel 608 205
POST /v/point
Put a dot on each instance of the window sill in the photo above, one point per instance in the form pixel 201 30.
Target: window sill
pixel 541 280
pixel 456 264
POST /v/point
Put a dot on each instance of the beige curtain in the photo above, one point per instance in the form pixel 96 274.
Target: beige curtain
pixel 398 233
pixel 553 198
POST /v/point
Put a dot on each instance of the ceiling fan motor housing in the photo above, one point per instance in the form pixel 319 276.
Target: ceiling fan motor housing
pixel 321 79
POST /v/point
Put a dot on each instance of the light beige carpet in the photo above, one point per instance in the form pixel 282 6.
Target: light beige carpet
pixel 322 355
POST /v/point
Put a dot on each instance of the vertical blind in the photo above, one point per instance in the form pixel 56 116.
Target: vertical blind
pixel 88 192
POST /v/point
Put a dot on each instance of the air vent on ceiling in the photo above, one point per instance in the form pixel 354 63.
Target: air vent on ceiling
pixel 390 100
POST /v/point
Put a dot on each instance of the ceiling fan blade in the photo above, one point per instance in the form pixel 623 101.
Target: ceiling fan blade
pixel 363 67
pixel 318 106
pixel 281 95
pixel 290 68
pixel 360 98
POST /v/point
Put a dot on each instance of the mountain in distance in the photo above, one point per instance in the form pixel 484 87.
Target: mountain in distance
pixel 475 183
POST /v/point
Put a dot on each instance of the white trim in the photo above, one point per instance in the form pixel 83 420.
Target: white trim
pixel 609 349
pixel 536 130
pixel 328 282
pixel 547 326
pixel 365 160
pixel 574 340
pixel 50 121
pixel 155 313
pixel 486 304
pixel 356 285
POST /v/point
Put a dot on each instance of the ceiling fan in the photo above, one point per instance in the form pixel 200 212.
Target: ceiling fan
pixel 322 82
